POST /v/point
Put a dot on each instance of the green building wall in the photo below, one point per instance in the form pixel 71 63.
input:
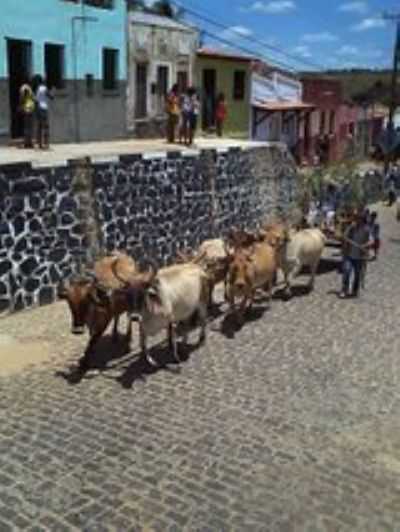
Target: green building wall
pixel 238 118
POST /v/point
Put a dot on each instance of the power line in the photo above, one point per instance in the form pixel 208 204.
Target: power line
pixel 245 50
pixel 251 38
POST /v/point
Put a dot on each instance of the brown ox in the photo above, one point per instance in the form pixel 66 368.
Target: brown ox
pixel 95 301
pixel 273 233
pixel 250 269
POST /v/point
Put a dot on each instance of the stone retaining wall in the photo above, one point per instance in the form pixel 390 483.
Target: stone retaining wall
pixel 55 221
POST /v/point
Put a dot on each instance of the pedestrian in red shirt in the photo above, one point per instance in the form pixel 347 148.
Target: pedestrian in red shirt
pixel 220 113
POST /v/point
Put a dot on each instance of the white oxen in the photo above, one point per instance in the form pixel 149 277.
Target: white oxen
pixel 172 295
pixel 303 248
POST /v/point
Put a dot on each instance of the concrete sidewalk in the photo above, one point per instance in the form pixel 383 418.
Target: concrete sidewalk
pixel 60 153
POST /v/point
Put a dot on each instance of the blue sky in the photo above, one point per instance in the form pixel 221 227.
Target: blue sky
pixel 327 33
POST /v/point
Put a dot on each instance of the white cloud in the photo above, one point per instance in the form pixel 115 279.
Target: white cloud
pixel 369 24
pixel 324 36
pixel 354 7
pixel 302 50
pixel 236 31
pixel 274 7
pixel 348 50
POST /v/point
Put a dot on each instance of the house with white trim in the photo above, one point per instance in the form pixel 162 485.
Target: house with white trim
pixel 161 52
pixel 278 111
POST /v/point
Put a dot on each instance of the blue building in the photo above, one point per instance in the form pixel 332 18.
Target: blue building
pixel 79 47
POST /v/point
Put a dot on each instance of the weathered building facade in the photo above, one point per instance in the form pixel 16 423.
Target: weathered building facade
pixel 161 52
pixel 324 126
pixel 221 71
pixel 79 47
pixel 278 112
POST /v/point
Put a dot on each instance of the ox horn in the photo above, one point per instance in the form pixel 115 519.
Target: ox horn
pixel 151 271
pixel 199 257
pixel 114 270
pixel 184 257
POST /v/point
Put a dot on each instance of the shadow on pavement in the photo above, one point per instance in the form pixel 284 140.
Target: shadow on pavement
pixel 299 290
pixel 140 368
pixel 106 351
pixel 334 293
pixel 110 357
pixel 231 323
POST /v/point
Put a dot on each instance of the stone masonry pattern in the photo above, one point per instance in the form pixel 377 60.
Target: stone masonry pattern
pixel 290 424
pixel 55 221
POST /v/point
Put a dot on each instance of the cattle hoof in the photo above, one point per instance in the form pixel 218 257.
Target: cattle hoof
pixel 151 361
pixel 177 358
pixel 83 365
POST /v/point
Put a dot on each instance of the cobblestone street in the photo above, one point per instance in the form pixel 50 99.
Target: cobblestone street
pixel 290 424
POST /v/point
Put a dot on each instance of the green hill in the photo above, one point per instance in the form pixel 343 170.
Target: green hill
pixel 360 83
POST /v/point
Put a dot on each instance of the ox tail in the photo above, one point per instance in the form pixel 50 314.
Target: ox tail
pixel 205 288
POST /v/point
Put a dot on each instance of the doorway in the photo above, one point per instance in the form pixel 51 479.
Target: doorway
pixel 141 91
pixel 19 56
pixel 182 80
pixel 209 98
pixel 162 87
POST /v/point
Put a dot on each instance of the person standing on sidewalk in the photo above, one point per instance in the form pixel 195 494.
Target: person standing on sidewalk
pixel 173 112
pixel 220 114
pixel 27 108
pixel 194 113
pixel 356 242
pixel 42 96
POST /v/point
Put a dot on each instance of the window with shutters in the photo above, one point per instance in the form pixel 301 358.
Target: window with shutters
pixel 239 84
pixel 141 91
pixel 110 69
pixel 54 55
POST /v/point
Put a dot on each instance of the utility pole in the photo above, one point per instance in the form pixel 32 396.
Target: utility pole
pixel 394 17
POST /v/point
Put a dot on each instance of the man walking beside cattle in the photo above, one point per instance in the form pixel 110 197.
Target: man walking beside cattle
pixel 356 241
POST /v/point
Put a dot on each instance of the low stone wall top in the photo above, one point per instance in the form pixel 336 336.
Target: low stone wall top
pixel 55 221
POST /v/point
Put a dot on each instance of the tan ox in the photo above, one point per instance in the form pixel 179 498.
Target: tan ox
pixel 212 257
pixel 96 300
pixel 170 296
pixel 296 250
pixel 250 269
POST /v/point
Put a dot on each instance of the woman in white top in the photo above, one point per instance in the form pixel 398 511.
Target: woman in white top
pixel 42 95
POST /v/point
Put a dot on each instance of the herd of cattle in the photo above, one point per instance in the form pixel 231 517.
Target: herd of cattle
pixel 163 298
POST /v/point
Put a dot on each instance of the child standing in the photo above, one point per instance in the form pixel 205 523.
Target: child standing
pixel 184 125
pixel 220 114
pixel 194 113
pixel 42 97
pixel 27 107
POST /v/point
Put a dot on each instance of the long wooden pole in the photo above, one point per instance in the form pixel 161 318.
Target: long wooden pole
pixel 393 92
